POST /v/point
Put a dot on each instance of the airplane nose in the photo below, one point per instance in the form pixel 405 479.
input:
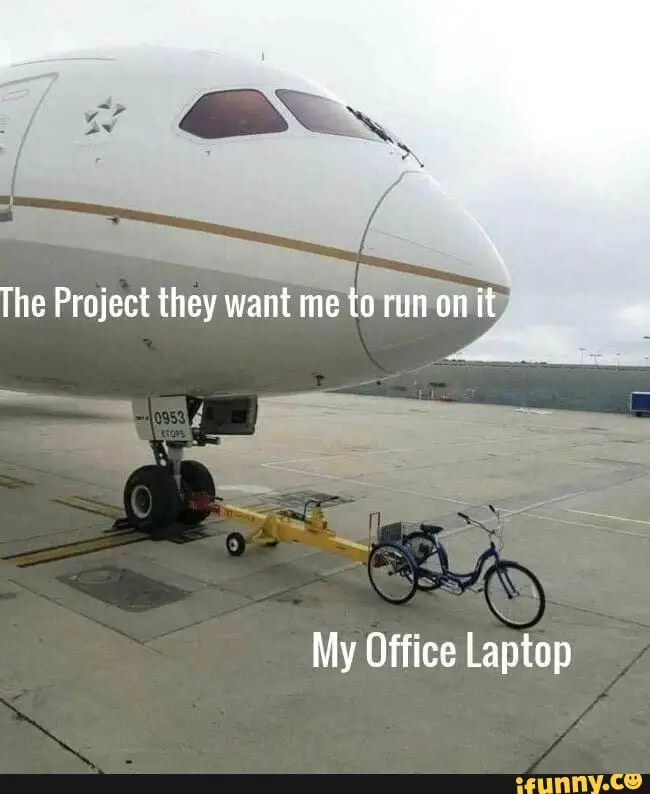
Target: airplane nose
pixel 435 280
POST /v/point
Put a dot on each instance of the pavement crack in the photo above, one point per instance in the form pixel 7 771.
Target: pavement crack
pixel 616 618
pixel 590 707
pixel 20 715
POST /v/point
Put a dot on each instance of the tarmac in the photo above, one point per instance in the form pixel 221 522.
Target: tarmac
pixel 142 656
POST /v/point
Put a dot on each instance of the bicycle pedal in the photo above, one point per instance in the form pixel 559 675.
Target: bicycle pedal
pixel 452 587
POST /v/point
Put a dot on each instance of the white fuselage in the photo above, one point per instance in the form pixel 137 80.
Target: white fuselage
pixel 121 197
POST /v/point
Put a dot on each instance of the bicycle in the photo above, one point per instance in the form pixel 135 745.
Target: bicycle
pixel 407 560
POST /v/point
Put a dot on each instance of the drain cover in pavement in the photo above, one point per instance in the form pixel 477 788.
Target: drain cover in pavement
pixel 296 500
pixel 124 589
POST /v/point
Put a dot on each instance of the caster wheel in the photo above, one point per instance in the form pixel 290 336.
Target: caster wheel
pixel 151 499
pixel 235 544
pixel 195 478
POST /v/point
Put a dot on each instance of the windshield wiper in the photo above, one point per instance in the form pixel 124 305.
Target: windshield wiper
pixel 384 135
pixel 379 131
pixel 408 151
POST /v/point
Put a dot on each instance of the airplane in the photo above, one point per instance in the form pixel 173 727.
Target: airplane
pixel 127 173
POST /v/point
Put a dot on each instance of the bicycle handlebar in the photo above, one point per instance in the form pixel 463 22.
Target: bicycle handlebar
pixel 469 520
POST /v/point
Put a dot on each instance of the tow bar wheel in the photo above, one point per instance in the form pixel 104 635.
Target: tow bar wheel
pixel 235 544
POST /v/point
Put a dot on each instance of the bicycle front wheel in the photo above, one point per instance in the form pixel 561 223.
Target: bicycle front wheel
pixel 514 595
pixel 392 573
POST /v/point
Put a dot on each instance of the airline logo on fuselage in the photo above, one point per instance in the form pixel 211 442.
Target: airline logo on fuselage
pixel 103 118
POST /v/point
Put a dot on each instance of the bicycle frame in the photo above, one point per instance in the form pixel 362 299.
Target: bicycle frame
pixel 466 580
pixel 463 580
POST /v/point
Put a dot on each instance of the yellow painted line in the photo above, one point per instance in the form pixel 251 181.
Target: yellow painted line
pixel 74 549
pixel 90 506
pixel 13 482
pixel 604 515
pixel 79 548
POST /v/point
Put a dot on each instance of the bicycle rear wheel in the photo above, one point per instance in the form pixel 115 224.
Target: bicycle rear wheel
pixel 514 595
pixel 425 552
pixel 392 573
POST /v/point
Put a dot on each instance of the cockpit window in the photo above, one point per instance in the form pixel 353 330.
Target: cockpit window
pixel 321 114
pixel 226 114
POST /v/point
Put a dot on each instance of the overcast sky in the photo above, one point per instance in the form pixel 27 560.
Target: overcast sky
pixel 535 115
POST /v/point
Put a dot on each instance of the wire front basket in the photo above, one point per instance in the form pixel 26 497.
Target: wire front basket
pixel 392 533
pixel 389 533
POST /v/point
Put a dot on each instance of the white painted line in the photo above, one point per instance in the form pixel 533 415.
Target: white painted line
pixel 344 455
pixel 318 476
pixel 508 514
pixel 253 489
pixel 604 515
pixel 391 451
pixel 591 526
pixel 543 503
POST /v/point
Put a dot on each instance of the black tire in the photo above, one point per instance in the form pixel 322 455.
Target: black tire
pixel 420 544
pixel 235 544
pixel 195 478
pixel 151 499
pixel 513 566
pixel 378 559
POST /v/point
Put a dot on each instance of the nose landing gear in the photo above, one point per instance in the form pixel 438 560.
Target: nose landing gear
pixel 158 495
pixel 173 490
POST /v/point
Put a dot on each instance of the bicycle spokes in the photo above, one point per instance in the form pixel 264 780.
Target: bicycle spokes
pixel 514 595
pixel 392 573
pixel 508 586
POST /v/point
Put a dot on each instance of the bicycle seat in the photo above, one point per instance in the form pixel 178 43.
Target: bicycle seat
pixel 431 529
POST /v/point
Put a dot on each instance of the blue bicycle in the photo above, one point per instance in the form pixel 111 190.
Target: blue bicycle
pixel 419 561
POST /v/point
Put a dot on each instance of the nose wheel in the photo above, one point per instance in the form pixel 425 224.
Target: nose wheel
pixel 156 496
pixel 195 478
pixel 151 498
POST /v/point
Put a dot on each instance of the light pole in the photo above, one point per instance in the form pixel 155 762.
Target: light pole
pixel 595 357
pixel 618 358
pixel 582 354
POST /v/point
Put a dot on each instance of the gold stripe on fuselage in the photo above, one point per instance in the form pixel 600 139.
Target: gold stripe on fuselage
pixel 249 235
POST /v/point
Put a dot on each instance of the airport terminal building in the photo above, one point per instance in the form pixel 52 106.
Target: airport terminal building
pixel 523 384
